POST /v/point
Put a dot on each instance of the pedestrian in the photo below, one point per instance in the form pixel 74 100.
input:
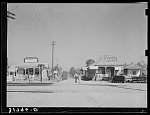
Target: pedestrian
pixel 76 77
pixel 29 77
pixel 96 76
pixel 79 77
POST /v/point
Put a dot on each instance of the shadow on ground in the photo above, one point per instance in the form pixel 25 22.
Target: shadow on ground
pixel 32 91
pixel 112 85
pixel 29 84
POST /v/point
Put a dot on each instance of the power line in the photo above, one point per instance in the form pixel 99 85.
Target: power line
pixel 17 7
pixel 35 12
pixel 39 14
pixel 43 21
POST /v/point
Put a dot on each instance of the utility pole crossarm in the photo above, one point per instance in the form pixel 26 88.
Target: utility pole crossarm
pixel 10 15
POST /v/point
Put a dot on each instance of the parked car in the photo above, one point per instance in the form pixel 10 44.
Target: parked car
pixel 139 79
pixel 85 78
pixel 105 78
pixel 128 79
pixel 118 79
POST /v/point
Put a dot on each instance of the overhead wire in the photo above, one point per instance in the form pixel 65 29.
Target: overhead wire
pixel 43 21
pixel 37 13
pixel 17 7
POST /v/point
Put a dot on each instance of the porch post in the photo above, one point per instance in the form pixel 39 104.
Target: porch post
pixel 105 70
pixel 33 72
pixel 16 73
pixel 129 72
pixel 25 72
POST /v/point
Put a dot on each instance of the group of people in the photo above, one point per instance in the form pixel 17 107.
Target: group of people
pixel 77 77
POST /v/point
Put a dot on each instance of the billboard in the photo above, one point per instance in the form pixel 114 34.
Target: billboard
pixel 31 60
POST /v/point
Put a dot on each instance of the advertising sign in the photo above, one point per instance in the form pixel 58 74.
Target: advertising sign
pixel 31 60
pixel 93 67
pixel 108 58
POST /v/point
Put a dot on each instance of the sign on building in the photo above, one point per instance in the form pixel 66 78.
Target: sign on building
pixel 93 67
pixel 108 58
pixel 31 60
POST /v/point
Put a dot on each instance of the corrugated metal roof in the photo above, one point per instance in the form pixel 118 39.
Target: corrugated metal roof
pixel 132 66
pixel 107 63
pixel 11 68
pixel 24 65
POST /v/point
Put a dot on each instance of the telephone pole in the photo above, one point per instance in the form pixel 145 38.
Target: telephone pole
pixel 53 43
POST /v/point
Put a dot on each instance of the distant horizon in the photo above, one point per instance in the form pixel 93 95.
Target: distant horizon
pixel 81 32
pixel 85 63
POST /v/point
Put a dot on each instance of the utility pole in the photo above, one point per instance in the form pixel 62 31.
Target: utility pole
pixel 53 43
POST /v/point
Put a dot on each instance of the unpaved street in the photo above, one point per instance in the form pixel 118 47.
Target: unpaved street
pixel 84 94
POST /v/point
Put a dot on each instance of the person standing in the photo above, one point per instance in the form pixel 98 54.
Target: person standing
pixel 76 77
pixel 79 77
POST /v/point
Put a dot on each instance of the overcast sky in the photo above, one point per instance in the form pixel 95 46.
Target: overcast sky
pixel 81 31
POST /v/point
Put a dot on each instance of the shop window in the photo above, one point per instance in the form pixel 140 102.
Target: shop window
pixel 11 73
pixel 31 71
pixel 103 71
pixel 134 72
pixel 20 71
pixel 36 71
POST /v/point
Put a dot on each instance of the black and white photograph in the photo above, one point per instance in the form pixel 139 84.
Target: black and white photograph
pixel 76 55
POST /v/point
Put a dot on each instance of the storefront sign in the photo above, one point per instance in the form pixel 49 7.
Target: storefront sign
pixel 118 68
pixel 31 60
pixel 108 58
pixel 93 67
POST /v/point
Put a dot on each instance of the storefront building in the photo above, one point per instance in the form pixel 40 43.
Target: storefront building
pixel 106 66
pixel 30 68
pixel 133 70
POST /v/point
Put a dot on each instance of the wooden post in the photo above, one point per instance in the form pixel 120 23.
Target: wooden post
pixel 33 72
pixel 25 72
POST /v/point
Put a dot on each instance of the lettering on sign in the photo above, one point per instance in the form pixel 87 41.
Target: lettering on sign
pixel 107 58
pixel 31 60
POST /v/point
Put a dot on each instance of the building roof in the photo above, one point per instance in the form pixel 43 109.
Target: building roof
pixel 28 65
pixel 11 68
pixel 132 66
pixel 99 63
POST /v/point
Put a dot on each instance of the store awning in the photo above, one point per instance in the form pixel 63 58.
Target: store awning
pixel 132 66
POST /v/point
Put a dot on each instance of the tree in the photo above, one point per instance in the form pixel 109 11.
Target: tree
pixel 72 71
pixel 59 69
pixel 89 62
pixel 56 68
pixel 65 75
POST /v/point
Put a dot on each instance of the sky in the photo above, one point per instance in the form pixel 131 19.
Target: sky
pixel 81 31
